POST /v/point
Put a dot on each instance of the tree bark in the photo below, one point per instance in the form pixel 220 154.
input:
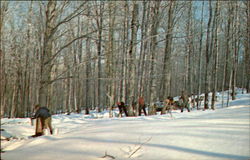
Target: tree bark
pixel 3 80
pixel 235 54
pixel 200 57
pixel 165 80
pixel 87 90
pixel 226 60
pixel 153 34
pixel 110 66
pixel 132 57
pixel 215 55
pixel 45 72
pixel 207 57
pixel 99 22
pixel 247 48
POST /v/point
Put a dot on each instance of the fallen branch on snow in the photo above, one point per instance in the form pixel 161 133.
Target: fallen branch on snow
pixel 109 156
pixel 139 147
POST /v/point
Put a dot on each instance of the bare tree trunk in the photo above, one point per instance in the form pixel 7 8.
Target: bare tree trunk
pixel 215 55
pixel 200 57
pixel 88 68
pixel 154 30
pixel 13 102
pixel 153 44
pixel 236 50
pixel 247 48
pixel 230 83
pixel 189 41
pixel 242 64
pixel 208 53
pixel 123 80
pixel 78 61
pixel 3 82
pixel 165 81
pixel 131 55
pixel 68 89
pixel 26 87
pixel 226 61
pixel 144 50
pixel 46 55
pixel 110 66
pixel 140 68
pixel 99 22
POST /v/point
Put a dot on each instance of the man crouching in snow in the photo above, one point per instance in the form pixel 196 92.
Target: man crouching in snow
pixel 43 120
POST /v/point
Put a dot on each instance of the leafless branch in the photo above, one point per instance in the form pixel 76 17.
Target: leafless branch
pixel 71 16
pixel 66 45
pixel 57 79
pixel 139 147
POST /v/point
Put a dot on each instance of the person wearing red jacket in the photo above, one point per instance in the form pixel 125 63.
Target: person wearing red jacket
pixel 142 106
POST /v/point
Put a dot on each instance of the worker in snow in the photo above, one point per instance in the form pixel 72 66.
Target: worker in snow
pixel 142 106
pixel 43 120
pixel 122 108
pixel 184 101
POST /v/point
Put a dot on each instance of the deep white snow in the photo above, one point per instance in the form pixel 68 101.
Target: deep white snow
pixel 218 134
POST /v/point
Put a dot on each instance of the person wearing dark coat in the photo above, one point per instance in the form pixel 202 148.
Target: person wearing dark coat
pixel 122 108
pixel 43 120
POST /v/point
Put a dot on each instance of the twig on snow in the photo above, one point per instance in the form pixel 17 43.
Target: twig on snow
pixel 139 147
pixel 106 155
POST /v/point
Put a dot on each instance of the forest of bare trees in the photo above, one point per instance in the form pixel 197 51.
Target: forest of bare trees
pixel 81 55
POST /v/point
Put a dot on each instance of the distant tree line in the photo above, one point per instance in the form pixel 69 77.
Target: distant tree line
pixel 81 55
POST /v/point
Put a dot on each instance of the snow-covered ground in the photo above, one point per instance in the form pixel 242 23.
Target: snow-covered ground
pixel 223 133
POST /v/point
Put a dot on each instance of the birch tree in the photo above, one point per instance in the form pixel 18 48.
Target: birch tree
pixel 226 60
pixel 153 44
pixel 132 56
pixel 165 80
pixel 215 50
pixel 200 56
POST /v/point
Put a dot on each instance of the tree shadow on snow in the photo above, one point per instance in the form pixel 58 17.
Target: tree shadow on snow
pixel 172 147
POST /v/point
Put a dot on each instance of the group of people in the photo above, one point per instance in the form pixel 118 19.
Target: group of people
pixel 123 108
pixel 183 103
pixel 43 116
